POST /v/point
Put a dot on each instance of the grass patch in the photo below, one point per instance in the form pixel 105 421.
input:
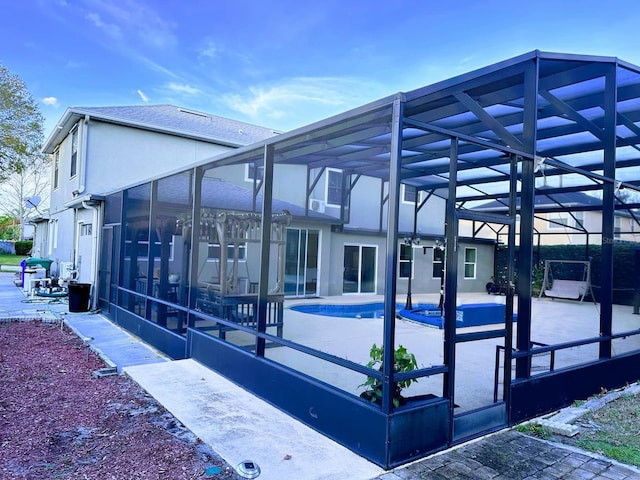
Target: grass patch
pixel 618 430
pixel 534 429
pixel 8 259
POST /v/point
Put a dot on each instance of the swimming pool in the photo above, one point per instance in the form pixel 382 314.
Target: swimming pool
pixel 362 310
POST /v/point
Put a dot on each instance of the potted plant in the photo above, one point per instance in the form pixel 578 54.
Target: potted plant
pixel 403 361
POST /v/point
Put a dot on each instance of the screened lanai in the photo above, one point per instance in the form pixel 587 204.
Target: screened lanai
pixel 404 199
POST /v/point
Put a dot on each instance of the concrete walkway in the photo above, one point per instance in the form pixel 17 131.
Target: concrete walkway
pixel 238 426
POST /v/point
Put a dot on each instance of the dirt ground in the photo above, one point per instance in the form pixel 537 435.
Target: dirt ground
pixel 60 421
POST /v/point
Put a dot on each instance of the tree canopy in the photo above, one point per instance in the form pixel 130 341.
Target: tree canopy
pixel 21 125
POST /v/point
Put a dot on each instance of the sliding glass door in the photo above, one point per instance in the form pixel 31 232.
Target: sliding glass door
pixel 301 262
pixel 359 269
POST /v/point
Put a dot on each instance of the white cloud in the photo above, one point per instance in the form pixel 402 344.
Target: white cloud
pixel 182 89
pixel 297 96
pixel 71 64
pixel 51 101
pixel 209 50
pixel 130 18
pixel 143 97
pixel 110 29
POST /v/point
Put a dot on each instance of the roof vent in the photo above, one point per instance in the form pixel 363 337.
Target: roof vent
pixel 193 112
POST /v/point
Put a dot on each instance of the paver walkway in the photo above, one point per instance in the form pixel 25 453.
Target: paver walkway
pixel 511 455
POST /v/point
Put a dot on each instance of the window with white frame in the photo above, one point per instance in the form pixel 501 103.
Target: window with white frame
pixel 74 152
pixel 56 168
pixel 470 261
pixel 579 219
pixel 86 229
pixel 405 267
pixel 253 171
pixel 409 194
pixel 438 262
pixel 334 187
pixel 558 220
pixel 617 226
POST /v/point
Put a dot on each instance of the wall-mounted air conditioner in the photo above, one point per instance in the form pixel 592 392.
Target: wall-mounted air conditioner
pixel 317 205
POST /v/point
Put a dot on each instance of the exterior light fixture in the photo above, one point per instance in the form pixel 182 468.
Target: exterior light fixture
pixel 248 469
pixel 538 163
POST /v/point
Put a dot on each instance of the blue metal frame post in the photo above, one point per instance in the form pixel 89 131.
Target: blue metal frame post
pixel 265 248
pixel 608 210
pixel 392 256
pixel 511 245
pixel 527 210
pixel 451 280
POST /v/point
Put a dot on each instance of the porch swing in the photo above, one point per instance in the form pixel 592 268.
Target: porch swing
pixel 568 279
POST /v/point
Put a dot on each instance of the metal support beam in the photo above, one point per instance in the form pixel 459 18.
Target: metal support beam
pixel 467 138
pixel 572 114
pixel 451 281
pixel 488 120
pixel 198 175
pixel 511 246
pixel 392 257
pixel 257 184
pixel 608 210
pixel 265 249
pixel 527 208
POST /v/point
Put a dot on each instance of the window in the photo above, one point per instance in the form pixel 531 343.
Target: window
pixel 86 229
pixel 617 226
pixel 406 265
pixel 470 255
pixel 438 262
pixel 56 167
pixel 253 171
pixel 74 152
pixel 409 194
pixel 558 221
pixel 334 187
pixel 213 252
pixel 579 219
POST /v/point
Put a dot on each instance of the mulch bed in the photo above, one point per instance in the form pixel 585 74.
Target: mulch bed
pixel 60 421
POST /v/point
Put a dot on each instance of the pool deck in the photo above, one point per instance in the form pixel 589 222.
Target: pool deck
pixel 553 322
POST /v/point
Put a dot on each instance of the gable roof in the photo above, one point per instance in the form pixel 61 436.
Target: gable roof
pixel 223 195
pixel 167 119
pixel 547 201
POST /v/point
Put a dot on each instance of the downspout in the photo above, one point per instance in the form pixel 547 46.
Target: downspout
pixel 96 225
pixel 83 155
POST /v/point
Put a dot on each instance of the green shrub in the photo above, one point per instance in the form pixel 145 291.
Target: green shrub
pixel 23 247
pixel 624 275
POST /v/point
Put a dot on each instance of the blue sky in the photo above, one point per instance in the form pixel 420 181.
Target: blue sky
pixel 284 63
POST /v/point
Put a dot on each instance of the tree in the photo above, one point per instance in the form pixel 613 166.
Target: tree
pixel 21 125
pixel 9 228
pixel 19 189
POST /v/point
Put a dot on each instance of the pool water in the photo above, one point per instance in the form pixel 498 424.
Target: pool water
pixel 363 310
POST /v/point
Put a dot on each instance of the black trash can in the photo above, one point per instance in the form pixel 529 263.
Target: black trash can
pixel 79 294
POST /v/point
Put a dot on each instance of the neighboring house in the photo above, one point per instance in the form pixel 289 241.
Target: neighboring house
pixel 95 150
pixel 99 150
pixel 572 218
